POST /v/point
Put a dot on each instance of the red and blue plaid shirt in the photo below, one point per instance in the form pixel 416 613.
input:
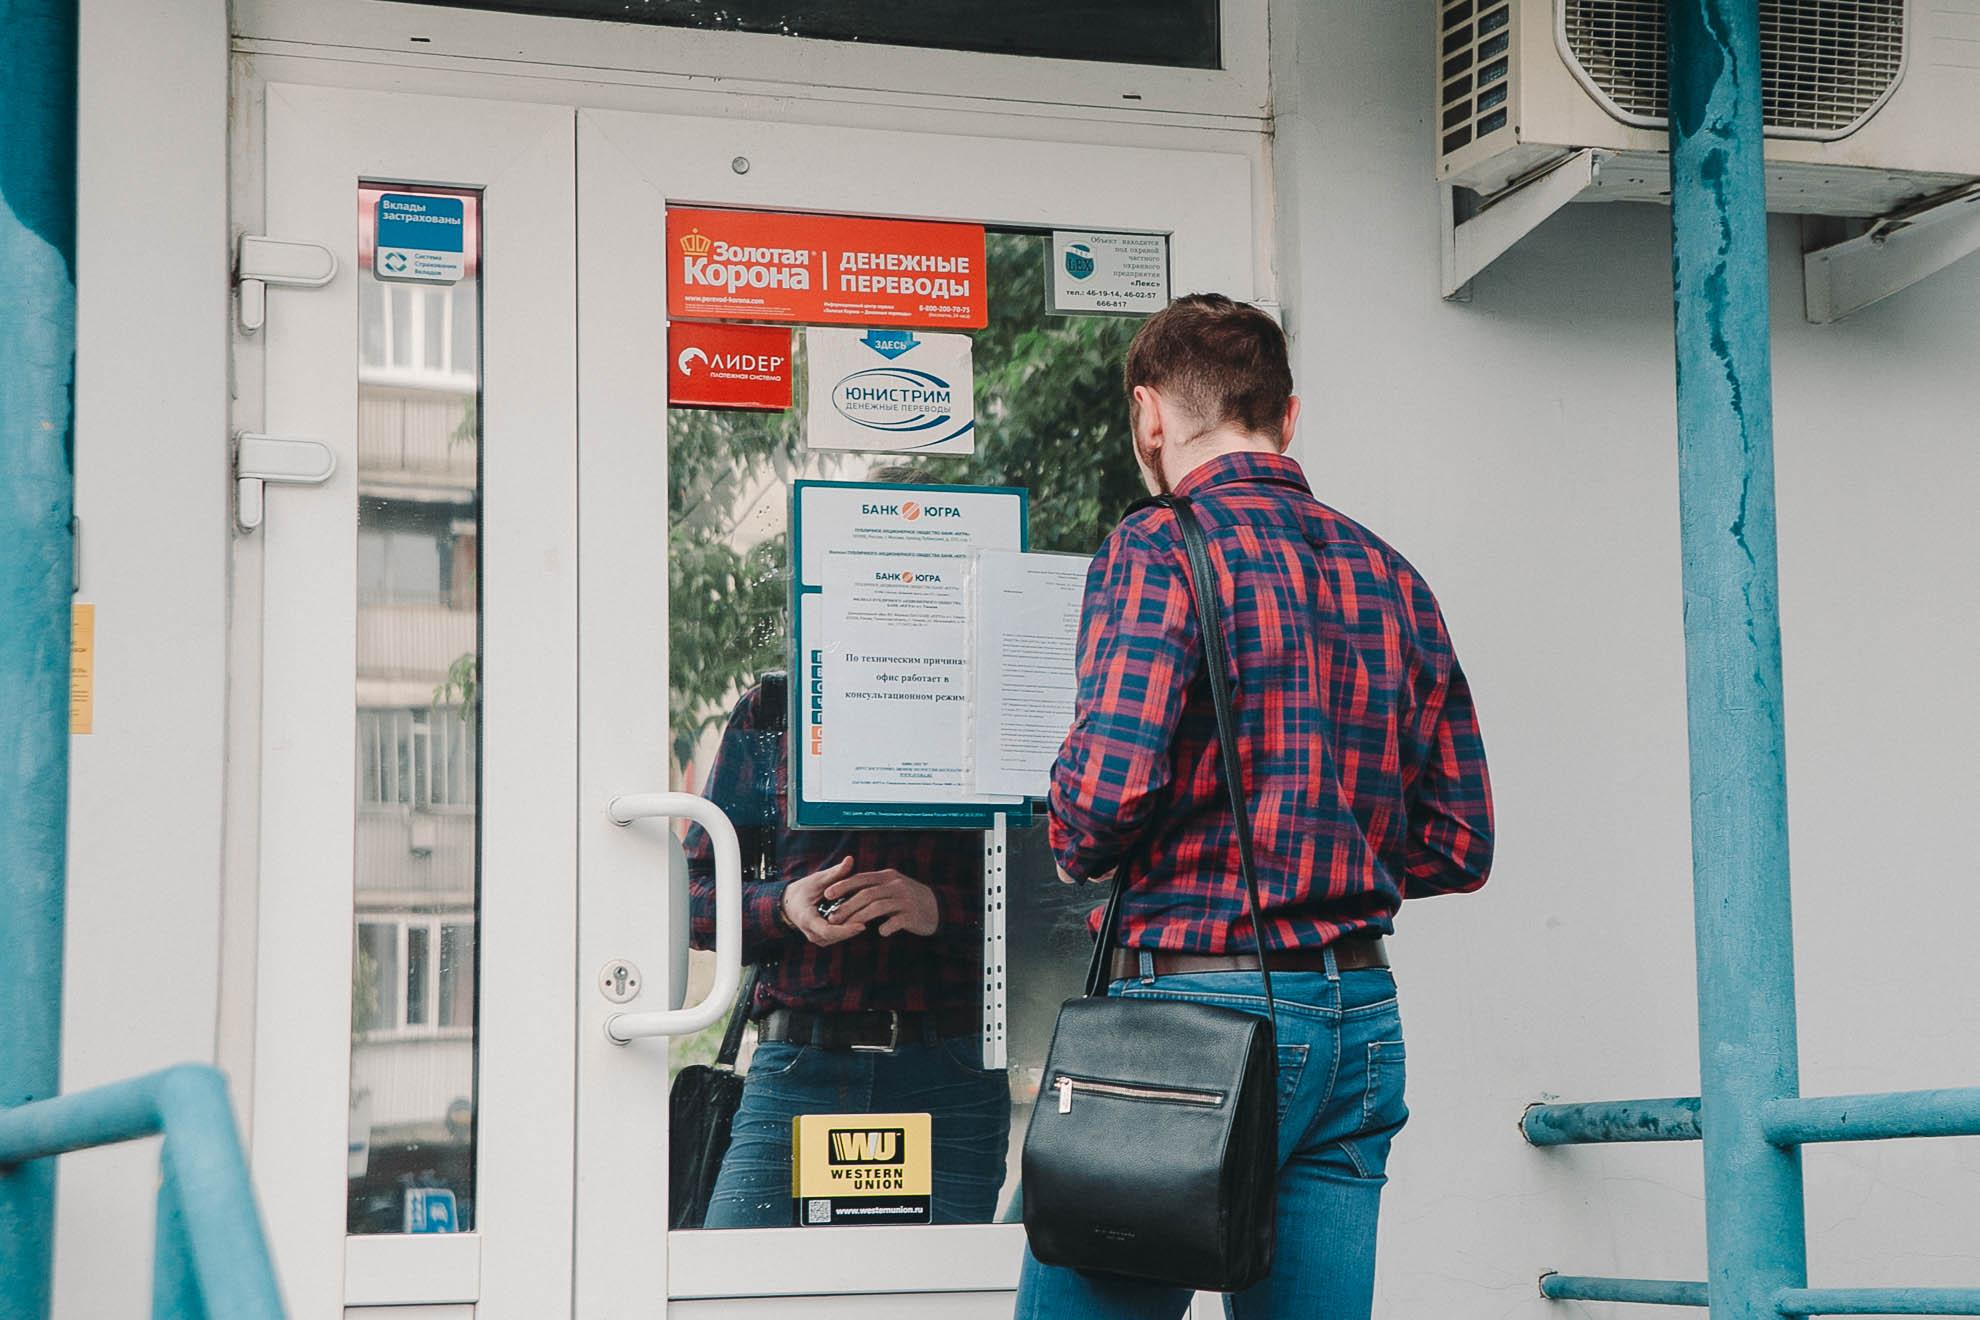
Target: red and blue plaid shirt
pixel 904 971
pixel 1359 748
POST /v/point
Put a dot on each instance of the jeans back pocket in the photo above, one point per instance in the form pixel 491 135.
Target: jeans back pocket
pixel 1292 1066
pixel 1382 1103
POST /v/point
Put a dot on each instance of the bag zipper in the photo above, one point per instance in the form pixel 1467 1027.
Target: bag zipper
pixel 1066 1086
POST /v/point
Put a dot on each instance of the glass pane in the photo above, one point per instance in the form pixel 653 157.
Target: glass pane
pixel 730 476
pixel 1183 33
pixel 457 976
pixel 418 737
pixel 375 978
pixel 418 969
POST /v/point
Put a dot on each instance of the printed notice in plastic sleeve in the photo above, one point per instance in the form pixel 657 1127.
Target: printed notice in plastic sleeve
pixel 895 666
pixel 1024 666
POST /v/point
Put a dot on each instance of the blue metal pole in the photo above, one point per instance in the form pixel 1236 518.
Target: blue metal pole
pixel 37 361
pixel 1755 1234
pixel 216 1197
pixel 1673 1119
pixel 1951 1112
pixel 1879 1301
pixel 1651 1292
pixel 174 1281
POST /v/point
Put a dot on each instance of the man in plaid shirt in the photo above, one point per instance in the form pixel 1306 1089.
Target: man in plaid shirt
pixel 868 946
pixel 1359 755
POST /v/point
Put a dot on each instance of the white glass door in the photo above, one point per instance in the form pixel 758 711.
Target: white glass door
pixel 528 588
pixel 684 625
pixel 412 1072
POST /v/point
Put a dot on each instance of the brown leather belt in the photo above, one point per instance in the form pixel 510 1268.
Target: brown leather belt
pixel 1350 955
pixel 880 1030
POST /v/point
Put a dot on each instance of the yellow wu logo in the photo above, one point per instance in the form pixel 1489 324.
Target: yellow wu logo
pixel 881 1146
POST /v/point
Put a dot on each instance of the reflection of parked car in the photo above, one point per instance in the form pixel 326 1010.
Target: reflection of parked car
pixel 378 1197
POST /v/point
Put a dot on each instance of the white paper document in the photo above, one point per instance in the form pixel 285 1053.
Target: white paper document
pixel 895 678
pixel 1025 611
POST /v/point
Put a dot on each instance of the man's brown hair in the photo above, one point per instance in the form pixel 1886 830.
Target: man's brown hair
pixel 1224 361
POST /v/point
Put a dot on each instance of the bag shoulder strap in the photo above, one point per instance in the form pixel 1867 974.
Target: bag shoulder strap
pixel 738 1017
pixel 1210 623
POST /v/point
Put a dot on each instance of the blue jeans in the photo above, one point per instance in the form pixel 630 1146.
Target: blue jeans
pixel 970 1109
pixel 1340 1105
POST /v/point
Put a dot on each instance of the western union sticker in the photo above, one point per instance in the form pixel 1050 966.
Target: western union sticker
pixel 861 1169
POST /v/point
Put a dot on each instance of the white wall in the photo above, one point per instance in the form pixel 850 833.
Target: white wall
pixel 1520 449
pixel 151 492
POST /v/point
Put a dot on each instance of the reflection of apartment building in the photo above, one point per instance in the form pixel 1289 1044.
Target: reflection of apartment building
pixel 413 997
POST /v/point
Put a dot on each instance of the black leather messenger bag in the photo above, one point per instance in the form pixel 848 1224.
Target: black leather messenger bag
pixel 1153 1150
pixel 701 1111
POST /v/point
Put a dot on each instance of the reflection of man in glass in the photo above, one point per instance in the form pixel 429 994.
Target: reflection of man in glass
pixel 869 995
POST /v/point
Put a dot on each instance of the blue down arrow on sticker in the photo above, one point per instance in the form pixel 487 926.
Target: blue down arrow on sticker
pixel 890 344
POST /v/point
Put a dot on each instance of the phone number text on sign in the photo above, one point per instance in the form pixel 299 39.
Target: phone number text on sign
pixel 824 270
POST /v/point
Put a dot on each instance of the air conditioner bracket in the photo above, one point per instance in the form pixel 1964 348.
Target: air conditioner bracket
pixel 1473 242
pixel 1894 253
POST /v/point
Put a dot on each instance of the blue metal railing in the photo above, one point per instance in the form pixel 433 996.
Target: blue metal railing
pixel 211 1261
pixel 1750 1114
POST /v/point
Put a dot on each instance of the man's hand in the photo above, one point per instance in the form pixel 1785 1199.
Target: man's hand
pixel 1068 878
pixel 801 905
pixel 898 902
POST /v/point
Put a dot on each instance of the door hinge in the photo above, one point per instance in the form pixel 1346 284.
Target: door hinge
pixel 260 261
pixel 259 459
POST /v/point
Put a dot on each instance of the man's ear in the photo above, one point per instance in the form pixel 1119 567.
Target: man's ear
pixel 1151 417
pixel 1291 421
pixel 1147 427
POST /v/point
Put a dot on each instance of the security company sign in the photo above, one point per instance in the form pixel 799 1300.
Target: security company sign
pixel 420 237
pixel 729 366
pixel 861 1169
pixel 1120 274
pixel 824 269
pixel 890 391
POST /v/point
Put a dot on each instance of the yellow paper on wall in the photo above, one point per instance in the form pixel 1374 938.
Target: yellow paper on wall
pixel 861 1169
pixel 82 667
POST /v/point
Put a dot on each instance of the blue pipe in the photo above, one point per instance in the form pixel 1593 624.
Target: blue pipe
pixel 37 362
pixel 1755 1234
pixel 213 1261
pixel 1674 1119
pixel 174 1279
pixel 1879 1301
pixel 1951 1112
pixel 1653 1292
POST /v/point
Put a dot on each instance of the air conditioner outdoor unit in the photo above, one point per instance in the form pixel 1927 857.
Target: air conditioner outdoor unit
pixel 1872 110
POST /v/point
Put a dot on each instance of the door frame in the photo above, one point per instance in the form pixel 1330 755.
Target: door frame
pixel 588 1236
pixel 529 45
pixel 630 166
pixel 319 144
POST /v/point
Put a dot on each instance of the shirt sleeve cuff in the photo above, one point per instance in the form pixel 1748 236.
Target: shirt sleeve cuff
pixel 762 906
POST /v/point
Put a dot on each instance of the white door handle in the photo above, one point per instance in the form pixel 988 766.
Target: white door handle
pixel 626 1027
